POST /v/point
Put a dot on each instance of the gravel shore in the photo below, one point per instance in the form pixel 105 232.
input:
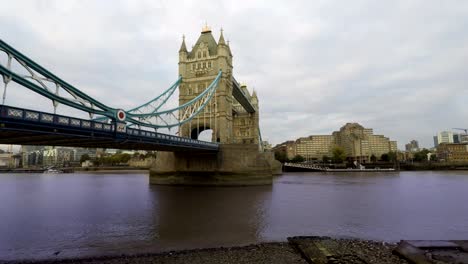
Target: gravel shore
pixel 297 250
pixel 279 253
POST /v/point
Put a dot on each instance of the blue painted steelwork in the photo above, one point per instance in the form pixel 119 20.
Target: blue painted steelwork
pixel 163 97
pixel 86 103
pixel 31 65
pixel 29 127
pixel 153 105
pixel 52 129
pixel 185 112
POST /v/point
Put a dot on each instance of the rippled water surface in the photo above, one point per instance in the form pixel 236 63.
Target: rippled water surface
pixel 87 214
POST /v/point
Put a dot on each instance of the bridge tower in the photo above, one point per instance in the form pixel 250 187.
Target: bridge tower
pixel 232 115
pixel 198 69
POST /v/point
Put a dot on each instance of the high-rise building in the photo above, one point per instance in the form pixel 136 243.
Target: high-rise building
pixel 413 146
pixel 443 137
pixel 460 138
pixel 57 156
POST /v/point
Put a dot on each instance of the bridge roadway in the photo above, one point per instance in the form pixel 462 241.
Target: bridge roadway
pixel 29 127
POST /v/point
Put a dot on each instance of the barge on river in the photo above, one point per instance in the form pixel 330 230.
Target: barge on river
pixel 314 167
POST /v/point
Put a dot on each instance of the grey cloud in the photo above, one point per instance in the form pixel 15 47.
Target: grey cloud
pixel 398 67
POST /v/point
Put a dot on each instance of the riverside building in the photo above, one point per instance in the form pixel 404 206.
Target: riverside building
pixel 358 142
pixel 453 152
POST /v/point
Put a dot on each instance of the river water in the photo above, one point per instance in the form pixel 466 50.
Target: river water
pixel 75 215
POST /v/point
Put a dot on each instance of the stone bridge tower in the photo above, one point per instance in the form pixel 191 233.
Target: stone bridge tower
pixel 198 69
pixel 233 117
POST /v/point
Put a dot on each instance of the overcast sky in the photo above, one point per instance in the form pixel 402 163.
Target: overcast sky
pixel 399 67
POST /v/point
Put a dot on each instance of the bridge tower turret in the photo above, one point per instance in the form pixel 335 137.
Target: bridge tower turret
pixel 198 69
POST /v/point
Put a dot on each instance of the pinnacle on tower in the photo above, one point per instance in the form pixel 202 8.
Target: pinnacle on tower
pixel 221 39
pixel 183 48
pixel 206 28
pixel 254 93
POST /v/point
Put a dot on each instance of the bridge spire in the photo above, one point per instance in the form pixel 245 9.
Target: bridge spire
pixel 206 28
pixel 183 48
pixel 221 38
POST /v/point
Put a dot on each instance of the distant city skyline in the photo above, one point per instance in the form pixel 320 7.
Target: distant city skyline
pixel 398 67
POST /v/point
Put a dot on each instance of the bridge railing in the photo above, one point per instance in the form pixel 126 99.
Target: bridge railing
pixel 42 118
pixel 53 119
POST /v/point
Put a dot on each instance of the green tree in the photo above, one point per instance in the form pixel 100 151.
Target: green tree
pixel 373 158
pixel 339 154
pixel 392 156
pixel 298 158
pixel 421 155
pixel 325 158
pixel 281 156
pixel 385 157
pixel 84 158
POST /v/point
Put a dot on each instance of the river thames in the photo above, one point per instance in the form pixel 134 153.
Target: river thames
pixel 75 215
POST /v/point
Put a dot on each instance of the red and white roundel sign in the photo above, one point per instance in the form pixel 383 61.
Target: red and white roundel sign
pixel 121 115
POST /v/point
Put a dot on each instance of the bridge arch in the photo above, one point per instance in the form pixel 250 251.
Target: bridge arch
pixel 204 133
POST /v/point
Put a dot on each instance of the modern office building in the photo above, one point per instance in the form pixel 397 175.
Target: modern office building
pixel 56 156
pixel 443 137
pixel 413 146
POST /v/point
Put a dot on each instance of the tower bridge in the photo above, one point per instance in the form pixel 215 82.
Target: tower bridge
pixel 210 98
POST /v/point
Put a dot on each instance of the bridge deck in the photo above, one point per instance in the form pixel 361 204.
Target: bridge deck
pixel 241 97
pixel 28 127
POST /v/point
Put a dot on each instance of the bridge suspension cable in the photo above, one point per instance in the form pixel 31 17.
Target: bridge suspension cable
pixel 151 106
pixel 43 82
pixel 179 115
pixel 27 73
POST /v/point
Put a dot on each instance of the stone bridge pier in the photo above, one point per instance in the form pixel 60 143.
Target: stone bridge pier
pixel 233 165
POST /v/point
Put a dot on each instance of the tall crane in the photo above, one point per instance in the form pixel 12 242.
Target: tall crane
pixel 463 129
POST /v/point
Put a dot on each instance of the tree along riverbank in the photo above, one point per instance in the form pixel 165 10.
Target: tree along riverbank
pixel 404 166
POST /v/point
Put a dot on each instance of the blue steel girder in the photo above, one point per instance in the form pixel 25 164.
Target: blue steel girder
pixel 153 105
pixel 79 99
pixel 183 113
pixel 146 115
pixel 241 97
pixel 29 127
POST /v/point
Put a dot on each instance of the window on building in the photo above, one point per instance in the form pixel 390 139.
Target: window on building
pixel 204 65
pixel 199 54
pixel 204 54
pixel 209 64
pixel 193 66
pixel 198 66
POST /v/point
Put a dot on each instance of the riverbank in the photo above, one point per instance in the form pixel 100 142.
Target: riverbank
pixel 422 166
pixel 296 250
pixel 114 169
